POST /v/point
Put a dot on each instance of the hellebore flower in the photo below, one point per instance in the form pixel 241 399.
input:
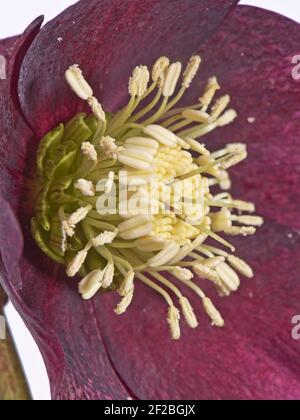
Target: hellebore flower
pixel 89 352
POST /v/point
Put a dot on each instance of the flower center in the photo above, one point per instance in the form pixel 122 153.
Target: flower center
pixel 128 197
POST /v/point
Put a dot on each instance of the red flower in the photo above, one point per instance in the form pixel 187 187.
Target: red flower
pixel 90 353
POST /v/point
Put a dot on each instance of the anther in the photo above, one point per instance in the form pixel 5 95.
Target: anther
pixel 91 284
pixel 88 150
pixel 188 312
pixel 241 266
pixel 213 313
pixel 104 238
pixel 172 77
pixel 191 70
pixel 85 187
pixel 173 320
pixel 109 147
pixel 77 82
pixel 139 81
pixel 159 70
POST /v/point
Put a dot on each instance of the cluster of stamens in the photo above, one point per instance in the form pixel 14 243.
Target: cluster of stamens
pixel 150 149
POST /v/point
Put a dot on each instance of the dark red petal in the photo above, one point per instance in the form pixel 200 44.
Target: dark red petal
pixel 6 44
pixel 252 56
pixel 255 356
pixel 108 38
pixel 16 137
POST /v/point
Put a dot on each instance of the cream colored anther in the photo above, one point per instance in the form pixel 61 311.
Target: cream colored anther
pixel 191 70
pixel 165 255
pixel 172 77
pixel 228 276
pixel 77 82
pixel 162 135
pixel 241 266
pixel 159 70
pixel 150 244
pixel 197 116
pixel 136 227
pixel 213 313
pixel 139 81
pixel 91 284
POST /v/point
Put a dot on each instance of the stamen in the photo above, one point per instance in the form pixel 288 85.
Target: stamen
pixel 227 118
pixel 197 147
pixel 159 70
pixel 144 143
pixel 195 115
pixel 108 277
pixel 89 150
pixel 221 221
pixel 249 220
pixel 210 90
pixel 91 284
pixel 213 261
pixel 236 147
pixel 79 215
pixel 173 320
pixel 75 265
pixel 244 231
pixel 136 157
pixel 191 71
pixel 79 85
pixel 110 182
pixel 224 180
pixel 97 109
pixel 139 81
pixel 109 147
pixel 136 227
pixel 207 304
pixel 213 250
pixel 173 314
pixel 77 82
pixel 188 312
pixel 125 302
pixel 162 135
pixel 234 160
pixel 68 229
pixel 104 238
pixel 241 266
pixel 228 277
pixel 86 188
pixel 207 273
pixel 165 255
pixel 172 77
pixel 244 206
pixel 182 273
pixel 219 107
pixel 219 239
pixel 184 303
pixel 150 244
pixel 127 284
pixel 213 313
pixel 230 148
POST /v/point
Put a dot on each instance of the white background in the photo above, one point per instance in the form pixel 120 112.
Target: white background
pixel 15 16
